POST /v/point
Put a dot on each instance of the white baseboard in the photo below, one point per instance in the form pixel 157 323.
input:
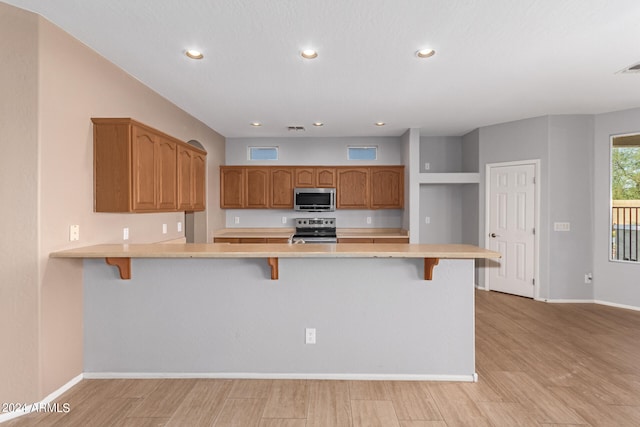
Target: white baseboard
pixel 613 304
pixel 281 376
pixel 28 408
pixel 567 301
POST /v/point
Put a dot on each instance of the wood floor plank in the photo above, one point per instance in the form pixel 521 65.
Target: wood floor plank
pixel 250 389
pixel 241 413
pixel 423 423
pixel 329 404
pixel 145 422
pixel 202 405
pixel 539 401
pixel 368 390
pixel 373 413
pixel 507 414
pixel 282 422
pixel 455 406
pixel 165 399
pixel 412 401
pixel 287 399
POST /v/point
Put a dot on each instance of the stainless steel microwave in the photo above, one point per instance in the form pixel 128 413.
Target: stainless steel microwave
pixel 314 199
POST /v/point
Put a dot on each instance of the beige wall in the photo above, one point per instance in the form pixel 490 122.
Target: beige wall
pixel 76 84
pixel 18 210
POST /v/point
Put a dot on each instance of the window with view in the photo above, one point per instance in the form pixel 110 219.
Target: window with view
pixel 625 197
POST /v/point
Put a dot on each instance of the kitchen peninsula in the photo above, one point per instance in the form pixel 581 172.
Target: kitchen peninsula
pixel 392 311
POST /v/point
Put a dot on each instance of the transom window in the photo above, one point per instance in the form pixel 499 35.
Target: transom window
pixel 625 197
pixel 362 153
pixel 263 153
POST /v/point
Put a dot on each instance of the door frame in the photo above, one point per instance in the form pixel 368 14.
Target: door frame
pixel 536 219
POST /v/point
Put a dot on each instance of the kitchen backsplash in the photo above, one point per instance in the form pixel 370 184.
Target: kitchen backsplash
pixel 345 218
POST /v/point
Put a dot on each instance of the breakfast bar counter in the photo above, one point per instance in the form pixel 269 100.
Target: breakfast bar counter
pixel 120 255
pixel 214 310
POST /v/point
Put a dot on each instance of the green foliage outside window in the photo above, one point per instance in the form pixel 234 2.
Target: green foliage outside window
pixel 625 173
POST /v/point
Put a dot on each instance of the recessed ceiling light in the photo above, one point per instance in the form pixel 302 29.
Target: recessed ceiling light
pixel 380 123
pixel 425 53
pixel 194 54
pixel 318 124
pixel 309 54
pixel 256 124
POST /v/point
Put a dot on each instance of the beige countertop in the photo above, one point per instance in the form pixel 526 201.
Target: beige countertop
pixel 287 232
pixel 277 250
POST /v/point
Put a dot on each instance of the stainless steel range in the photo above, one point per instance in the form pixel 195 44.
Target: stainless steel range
pixel 315 230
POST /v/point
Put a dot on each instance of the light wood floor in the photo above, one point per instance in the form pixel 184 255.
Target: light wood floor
pixel 538 364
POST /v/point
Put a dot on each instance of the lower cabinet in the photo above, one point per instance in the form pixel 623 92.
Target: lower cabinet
pixel 250 240
pixel 373 240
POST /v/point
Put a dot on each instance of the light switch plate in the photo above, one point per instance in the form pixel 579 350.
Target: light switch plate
pixel 74 233
pixel 125 233
pixel 179 226
pixel 561 226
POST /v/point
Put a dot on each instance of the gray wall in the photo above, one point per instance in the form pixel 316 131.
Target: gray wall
pixel 314 151
pixel 519 140
pixel 570 200
pixel 373 317
pixel 443 153
pixel 614 282
pixel 563 146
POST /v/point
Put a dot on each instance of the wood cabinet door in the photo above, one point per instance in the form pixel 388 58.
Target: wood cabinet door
pixel 257 188
pixel 167 176
pixel 352 191
pixel 185 159
pixel 232 184
pixel 282 188
pixel 199 182
pixel 144 160
pixel 325 177
pixel 304 177
pixel 387 187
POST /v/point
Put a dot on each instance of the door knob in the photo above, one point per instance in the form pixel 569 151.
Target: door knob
pixel 494 235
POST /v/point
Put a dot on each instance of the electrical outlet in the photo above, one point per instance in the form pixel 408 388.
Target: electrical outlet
pixel 368 220
pixel 179 226
pixel 427 166
pixel 164 228
pixel 125 233
pixel 427 220
pixel 310 335
pixel 236 220
pixel 74 233
pixel 588 278
pixel 284 219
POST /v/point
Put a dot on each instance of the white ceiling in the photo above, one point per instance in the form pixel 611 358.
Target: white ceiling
pixel 496 60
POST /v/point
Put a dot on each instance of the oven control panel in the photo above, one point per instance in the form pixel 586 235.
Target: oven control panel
pixel 315 222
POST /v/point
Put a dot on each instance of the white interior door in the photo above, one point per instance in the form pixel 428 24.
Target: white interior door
pixel 511 228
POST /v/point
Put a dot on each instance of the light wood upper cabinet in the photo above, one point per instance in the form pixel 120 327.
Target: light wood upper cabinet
pixel 137 168
pixel 352 191
pixel 387 187
pixel 263 187
pixel 191 180
pixel 199 180
pixel 167 175
pixel 315 176
pixel 257 190
pixel 282 188
pixel 232 186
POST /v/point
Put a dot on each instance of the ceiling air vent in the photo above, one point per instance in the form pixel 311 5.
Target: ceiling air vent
pixel 296 128
pixel 632 69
